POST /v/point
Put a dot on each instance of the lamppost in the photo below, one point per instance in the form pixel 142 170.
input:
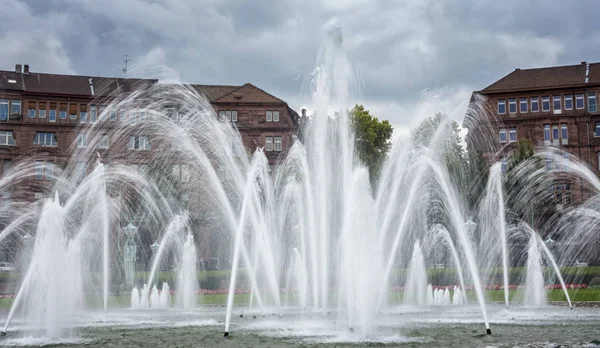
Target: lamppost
pixel 129 253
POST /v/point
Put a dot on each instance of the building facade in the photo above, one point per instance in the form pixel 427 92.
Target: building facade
pixel 553 107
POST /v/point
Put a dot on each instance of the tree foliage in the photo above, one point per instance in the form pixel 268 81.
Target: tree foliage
pixel 372 139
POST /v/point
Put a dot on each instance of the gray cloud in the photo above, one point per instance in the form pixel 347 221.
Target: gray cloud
pixel 400 48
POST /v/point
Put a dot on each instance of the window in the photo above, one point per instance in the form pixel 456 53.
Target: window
pixel 222 115
pixel 579 101
pixel 73 111
pixel 556 102
pixel 597 130
pixel 555 139
pixel 7 138
pixel 234 116
pixel 124 115
pixel 523 104
pixel 278 146
pixel 181 172
pixel 43 170
pixel 564 134
pixel 139 143
pixel 104 142
pixel 62 113
pixel 142 116
pixel 83 113
pixel 501 106
pixel 535 104
pixel 15 107
pixel 3 109
pixel 275 116
pixel 503 165
pixel 502 136
pixel 548 163
pixel 132 117
pixel 545 103
pixel 93 114
pixel 546 134
pixel 269 116
pixel 512 135
pixel 568 102
pixel 81 140
pixel 44 139
pixel 113 114
pixel 31 109
pixel 268 143
pixel 228 115
pixel 42 111
pixel 512 106
pixel 591 102
pixel 6 165
pixel 52 112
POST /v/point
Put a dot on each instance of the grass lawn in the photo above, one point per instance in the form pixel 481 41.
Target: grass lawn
pixel 577 295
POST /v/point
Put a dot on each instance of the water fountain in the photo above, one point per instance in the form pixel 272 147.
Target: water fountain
pixel 535 291
pixel 416 280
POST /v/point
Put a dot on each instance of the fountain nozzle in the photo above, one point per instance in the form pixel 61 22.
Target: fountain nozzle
pixel 488 331
pixel 3 333
pixel 226 334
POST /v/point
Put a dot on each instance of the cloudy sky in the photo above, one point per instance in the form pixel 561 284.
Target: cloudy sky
pixel 413 57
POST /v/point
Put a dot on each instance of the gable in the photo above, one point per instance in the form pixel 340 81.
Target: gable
pixel 248 93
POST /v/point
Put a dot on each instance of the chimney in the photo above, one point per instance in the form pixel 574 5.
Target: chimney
pixel 18 68
pixel 26 69
pixel 583 63
pixel 303 112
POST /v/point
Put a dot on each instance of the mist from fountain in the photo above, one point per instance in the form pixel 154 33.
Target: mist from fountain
pixel 535 291
pixel 187 275
pixel 416 281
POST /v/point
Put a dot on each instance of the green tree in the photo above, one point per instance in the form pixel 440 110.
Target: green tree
pixel 372 139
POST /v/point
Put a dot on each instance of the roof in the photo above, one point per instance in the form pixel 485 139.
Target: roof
pixel 212 92
pixel 248 93
pixel 549 77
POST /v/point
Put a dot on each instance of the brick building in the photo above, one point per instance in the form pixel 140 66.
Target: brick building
pixel 552 106
pixel 40 114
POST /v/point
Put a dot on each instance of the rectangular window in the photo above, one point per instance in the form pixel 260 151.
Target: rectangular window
pixel 104 142
pixel 555 139
pixel 269 116
pixel 83 113
pixel 15 107
pixel 268 143
pixel 278 145
pixel 52 112
pixel 512 106
pixel 93 114
pixel 7 138
pixel 228 115
pixel 185 173
pixel 512 135
pixel 80 171
pixel 547 134
pixel 132 116
pixel 42 111
pixel 124 115
pixel 62 113
pixel 222 115
pixel 81 140
pixel 113 114
pixel 275 116
pixel 3 109
pixel 142 116
pixel 502 136
pixel 548 163
pixel 6 165
pixel 557 101
pixel 523 104
pixel 579 104
pixel 501 106
pixel 591 102
pixel 568 102
pixel 503 165
pixel 45 139
pixel 564 134
pixel 43 170
pixel 73 111
pixel 31 109
pixel 545 103
pixel 234 116
pixel 139 143
pixel 597 130
pixel 535 104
